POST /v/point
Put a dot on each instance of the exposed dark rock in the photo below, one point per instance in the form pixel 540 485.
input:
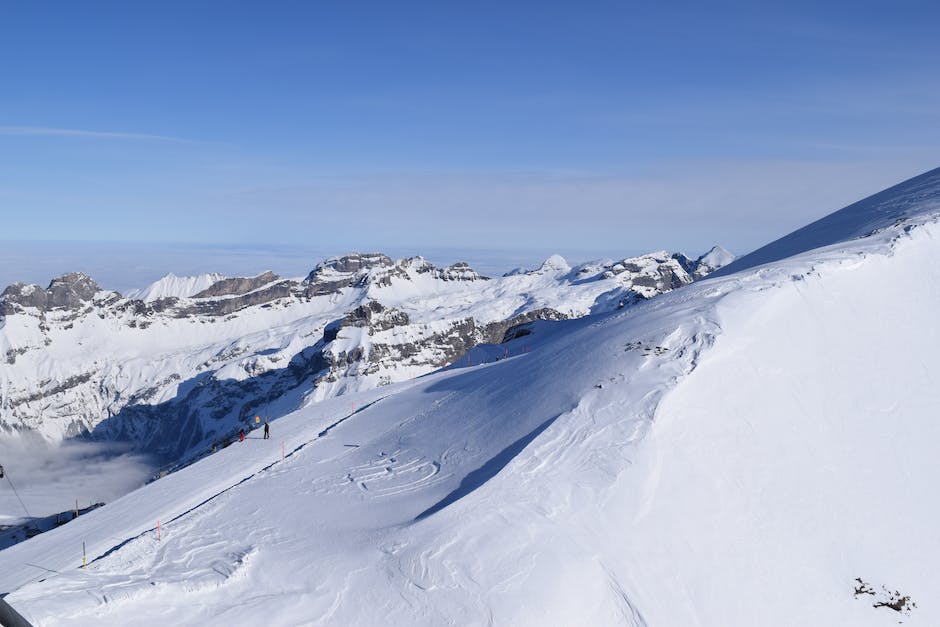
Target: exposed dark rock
pixel 23 295
pixel 687 264
pixel 237 286
pixel 373 314
pixel 225 306
pixel 505 330
pixel 69 291
pixel 336 273
pixel 47 389
pixel 460 271
pixel 349 264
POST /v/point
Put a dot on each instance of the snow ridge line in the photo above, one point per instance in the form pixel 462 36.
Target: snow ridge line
pixel 490 468
pixel 319 435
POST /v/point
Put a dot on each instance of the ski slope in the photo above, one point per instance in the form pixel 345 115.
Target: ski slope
pixel 736 452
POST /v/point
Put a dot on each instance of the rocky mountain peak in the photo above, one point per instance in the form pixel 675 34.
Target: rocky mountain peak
pixel 713 260
pixel 69 291
pixel 555 263
pixel 354 262
pixel 460 271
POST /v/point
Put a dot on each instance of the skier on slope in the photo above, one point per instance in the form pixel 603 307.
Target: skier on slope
pixel 241 435
pixel 267 429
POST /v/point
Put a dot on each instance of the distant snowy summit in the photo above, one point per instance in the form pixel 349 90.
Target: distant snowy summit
pixel 713 260
pixel 172 286
pixel 197 354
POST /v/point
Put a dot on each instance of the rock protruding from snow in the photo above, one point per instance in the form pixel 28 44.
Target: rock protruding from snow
pixel 713 260
pixel 336 273
pixel 352 263
pixel 172 286
pixel 647 275
pixel 69 291
pixel 460 271
pixel 237 286
pixel 554 264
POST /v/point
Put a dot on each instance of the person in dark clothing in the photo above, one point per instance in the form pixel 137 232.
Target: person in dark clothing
pixel 241 435
pixel 267 430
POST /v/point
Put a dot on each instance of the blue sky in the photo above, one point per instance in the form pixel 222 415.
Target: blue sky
pixel 614 127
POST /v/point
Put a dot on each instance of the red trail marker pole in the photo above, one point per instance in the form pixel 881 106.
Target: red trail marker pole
pixel 158 529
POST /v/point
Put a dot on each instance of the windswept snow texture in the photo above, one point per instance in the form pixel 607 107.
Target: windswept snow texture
pixel 749 450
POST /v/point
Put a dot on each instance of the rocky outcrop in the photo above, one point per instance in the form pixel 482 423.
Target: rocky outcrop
pixel 460 271
pixel 651 274
pixel 354 262
pixel 225 306
pixel 715 259
pixel 70 291
pixel 505 330
pixel 374 316
pixel 237 286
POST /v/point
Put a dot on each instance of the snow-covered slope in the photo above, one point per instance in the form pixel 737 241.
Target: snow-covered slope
pixel 755 449
pixel 893 207
pixel 713 260
pixel 188 360
pixel 172 286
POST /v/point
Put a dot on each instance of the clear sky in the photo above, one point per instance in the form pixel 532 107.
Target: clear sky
pixel 615 127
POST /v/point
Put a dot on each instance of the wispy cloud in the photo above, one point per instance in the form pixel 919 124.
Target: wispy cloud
pixel 41 131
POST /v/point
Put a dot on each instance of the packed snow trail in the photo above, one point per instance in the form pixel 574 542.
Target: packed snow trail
pixel 285 455
pixel 165 500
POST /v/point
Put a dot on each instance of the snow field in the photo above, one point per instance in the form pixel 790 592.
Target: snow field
pixel 737 452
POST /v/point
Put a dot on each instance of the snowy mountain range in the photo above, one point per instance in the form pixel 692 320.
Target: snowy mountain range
pixel 755 448
pixel 184 363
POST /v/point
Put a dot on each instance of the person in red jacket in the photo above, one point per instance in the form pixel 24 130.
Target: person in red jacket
pixel 241 435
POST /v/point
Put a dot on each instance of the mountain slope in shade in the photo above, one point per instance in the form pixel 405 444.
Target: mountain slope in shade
pixel 755 449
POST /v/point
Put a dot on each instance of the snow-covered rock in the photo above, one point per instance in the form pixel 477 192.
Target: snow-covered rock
pixel 187 360
pixel 713 260
pixel 172 286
